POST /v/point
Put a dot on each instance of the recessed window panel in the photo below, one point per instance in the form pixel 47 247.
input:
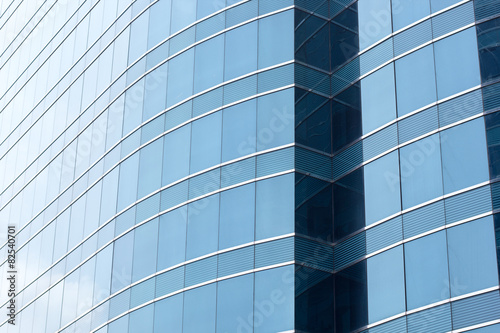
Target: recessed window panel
pixel 489 50
pixel 209 64
pixel 405 12
pixel 239 130
pixel 276 36
pixel 348 201
pixel 346 117
pixel 175 155
pixel 493 132
pixel 374 21
pixel 382 188
pixel 457 64
pixel 420 170
pixel 464 155
pixel 344 38
pixel 378 99
pixel 199 309
pixel 180 77
pixel 172 238
pixel 415 80
pixel 472 255
pixel 150 168
pixel 202 227
pixel 206 142
pixel 237 216
pixel 275 206
pixel 426 265
pixel 241 51
pixel 235 304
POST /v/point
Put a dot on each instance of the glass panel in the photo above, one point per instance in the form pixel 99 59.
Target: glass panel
pixel 274 300
pixel 457 63
pixel 206 142
pixel 239 130
pixel 344 40
pixel 275 207
pixel 180 75
pixel 348 200
pixel 437 5
pixel 122 262
pixel 175 155
pixel 235 304
pixel 141 321
pixel 426 265
pixel 374 21
pixel 237 213
pixel 405 12
pixel 382 188
pixel 493 132
pixel 199 309
pixel 172 238
pixel 168 315
pixel 489 52
pixel 421 177
pixel 346 121
pixel 472 255
pixel 150 168
pixel 145 249
pixel 202 227
pixel 378 99
pixel 415 80
pixel 155 92
pixel 386 285
pixel 185 14
pixel 159 22
pixel 241 51
pixel 209 64
pixel 119 326
pixel 465 159
pixel 276 39
pixel 275 115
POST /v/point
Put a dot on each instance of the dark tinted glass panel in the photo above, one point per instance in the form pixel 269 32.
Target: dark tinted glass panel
pixel 344 36
pixel 493 138
pixel 488 35
pixel 315 130
pixel 348 200
pixel 346 109
pixel 311 40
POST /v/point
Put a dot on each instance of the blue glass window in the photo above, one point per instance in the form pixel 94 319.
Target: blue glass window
pixel 275 115
pixel 122 262
pixel 426 266
pixel 465 159
pixel 386 285
pixel 405 12
pixel 138 44
pixel 206 142
pixel 378 99
pixel 472 255
pixel 185 14
pixel 145 249
pixel 239 130
pixel 415 80
pixel 241 51
pixel 421 176
pixel 457 64
pixel 209 64
pixel 382 188
pixel 172 238
pixel 237 213
pixel 199 309
pixel 155 92
pixel 118 326
pixel 168 314
pixel 150 168
pixel 276 39
pixel 202 227
pixel 141 320
pixel 274 300
pixel 437 5
pixel 159 22
pixel 175 155
pixel 235 304
pixel 180 76
pixel 374 21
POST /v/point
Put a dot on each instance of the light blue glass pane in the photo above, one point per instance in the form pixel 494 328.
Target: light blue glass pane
pixel 180 76
pixel 168 315
pixel 145 249
pixel 382 188
pixel 155 93
pixel 415 80
pixel 209 64
pixel 235 304
pixel 275 207
pixel 239 129
pixel 237 213
pixel 274 300
pixel 199 309
pixel 276 39
pixel 138 40
pixel 119 326
pixel 184 14
pixel 206 142
pixel 465 159
pixel 172 238
pixel 405 12
pixel 159 22
pixel 275 119
pixel 208 7
pixel 457 64
pixel 176 154
pixel 122 262
pixel 202 227
pixel 109 196
pixel 472 255
pixel 241 51
pixel 421 176
pixel 150 168
pixel 134 99
pixel 374 21
pixel 386 285
pixel 437 5
pixel 426 270
pixel 378 98
pixel 141 321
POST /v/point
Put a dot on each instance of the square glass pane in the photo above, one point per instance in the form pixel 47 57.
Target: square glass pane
pixel 141 321
pixel 375 23
pixel 199 309
pixel 168 314
pixel 235 304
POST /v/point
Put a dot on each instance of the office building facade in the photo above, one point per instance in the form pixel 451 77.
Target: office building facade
pixel 251 166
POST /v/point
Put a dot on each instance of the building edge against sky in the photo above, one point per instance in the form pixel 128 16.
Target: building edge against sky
pixel 251 166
